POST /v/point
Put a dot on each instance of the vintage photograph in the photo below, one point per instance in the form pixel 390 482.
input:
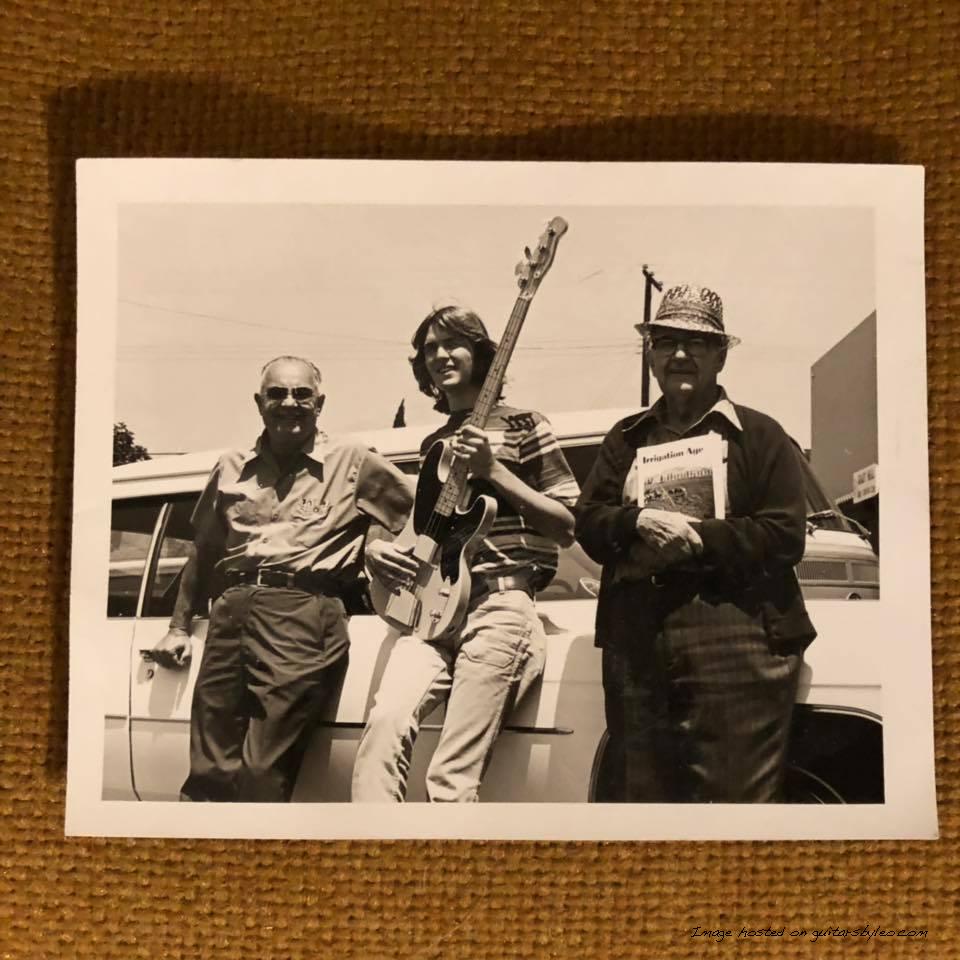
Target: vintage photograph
pixel 439 487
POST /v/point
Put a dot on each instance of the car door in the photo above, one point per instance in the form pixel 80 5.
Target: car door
pixel 132 531
pixel 160 696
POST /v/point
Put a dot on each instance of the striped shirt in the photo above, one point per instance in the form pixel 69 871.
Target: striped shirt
pixel 523 441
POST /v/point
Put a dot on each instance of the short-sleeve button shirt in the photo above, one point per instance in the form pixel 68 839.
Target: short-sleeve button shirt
pixel 312 517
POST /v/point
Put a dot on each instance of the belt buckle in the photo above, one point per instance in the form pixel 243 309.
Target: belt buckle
pixel 494 585
pixel 273 578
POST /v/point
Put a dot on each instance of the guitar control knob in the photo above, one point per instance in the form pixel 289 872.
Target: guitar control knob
pixel 444 592
pixel 435 614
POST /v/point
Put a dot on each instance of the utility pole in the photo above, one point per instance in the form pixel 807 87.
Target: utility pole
pixel 650 282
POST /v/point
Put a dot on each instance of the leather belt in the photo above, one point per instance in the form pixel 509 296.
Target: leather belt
pixel 705 583
pixel 305 580
pixel 502 584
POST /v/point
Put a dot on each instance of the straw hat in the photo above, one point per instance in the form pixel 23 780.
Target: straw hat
pixel 688 307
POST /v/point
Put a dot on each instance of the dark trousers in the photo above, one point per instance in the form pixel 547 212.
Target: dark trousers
pixel 699 711
pixel 272 660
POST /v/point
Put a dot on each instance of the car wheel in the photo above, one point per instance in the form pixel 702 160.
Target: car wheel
pixel 804 786
pixel 835 756
pixel 603 787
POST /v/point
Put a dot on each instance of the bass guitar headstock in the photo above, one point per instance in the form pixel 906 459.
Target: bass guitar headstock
pixel 533 268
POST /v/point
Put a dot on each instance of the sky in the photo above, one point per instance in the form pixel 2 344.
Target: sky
pixel 209 292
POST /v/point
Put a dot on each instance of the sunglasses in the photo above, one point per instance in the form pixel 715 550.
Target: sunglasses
pixel 694 346
pixel 299 394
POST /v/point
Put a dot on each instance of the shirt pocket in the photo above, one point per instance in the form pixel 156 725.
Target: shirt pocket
pixel 240 510
pixel 309 509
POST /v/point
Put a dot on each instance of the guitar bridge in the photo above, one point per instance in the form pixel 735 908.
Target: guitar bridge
pixel 403 609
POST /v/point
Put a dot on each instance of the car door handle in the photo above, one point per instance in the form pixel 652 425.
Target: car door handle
pixel 149 659
pixel 149 656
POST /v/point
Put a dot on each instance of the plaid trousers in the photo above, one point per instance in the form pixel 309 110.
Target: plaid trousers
pixel 699 709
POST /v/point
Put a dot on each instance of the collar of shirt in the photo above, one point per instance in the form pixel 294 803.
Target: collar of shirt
pixel 723 407
pixel 312 451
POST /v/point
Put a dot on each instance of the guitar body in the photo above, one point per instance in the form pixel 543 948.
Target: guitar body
pixel 435 604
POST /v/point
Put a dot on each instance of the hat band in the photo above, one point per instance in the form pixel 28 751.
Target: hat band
pixel 688 312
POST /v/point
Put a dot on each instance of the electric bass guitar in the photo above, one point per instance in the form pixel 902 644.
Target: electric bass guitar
pixel 445 529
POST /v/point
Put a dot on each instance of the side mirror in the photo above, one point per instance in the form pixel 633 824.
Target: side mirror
pixel 590 586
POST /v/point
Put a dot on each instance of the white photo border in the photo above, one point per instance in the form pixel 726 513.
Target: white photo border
pixel 900 619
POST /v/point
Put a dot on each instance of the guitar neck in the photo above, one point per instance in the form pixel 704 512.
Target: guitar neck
pixel 493 382
pixel 486 400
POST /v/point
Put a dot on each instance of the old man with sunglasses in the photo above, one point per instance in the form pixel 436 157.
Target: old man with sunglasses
pixel 701 619
pixel 279 545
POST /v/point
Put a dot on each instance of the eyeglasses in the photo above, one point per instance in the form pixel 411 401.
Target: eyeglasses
pixel 694 346
pixel 299 394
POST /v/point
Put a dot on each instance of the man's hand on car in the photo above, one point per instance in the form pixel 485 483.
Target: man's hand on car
pixel 175 649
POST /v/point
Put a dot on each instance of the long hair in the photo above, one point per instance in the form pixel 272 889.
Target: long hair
pixel 466 324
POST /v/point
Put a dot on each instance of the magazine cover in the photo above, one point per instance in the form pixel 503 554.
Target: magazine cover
pixel 685 476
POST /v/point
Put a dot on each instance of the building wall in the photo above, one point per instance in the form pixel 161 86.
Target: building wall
pixel 843 400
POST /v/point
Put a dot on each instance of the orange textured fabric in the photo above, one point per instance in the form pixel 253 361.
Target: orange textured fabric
pixel 771 80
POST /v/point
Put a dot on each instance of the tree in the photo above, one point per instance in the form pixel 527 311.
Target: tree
pixel 125 449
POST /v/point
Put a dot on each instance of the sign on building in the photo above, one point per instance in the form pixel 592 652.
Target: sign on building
pixel 866 483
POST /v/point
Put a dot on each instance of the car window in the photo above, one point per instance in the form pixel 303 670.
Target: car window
pixel 132 526
pixel 819 504
pixel 578 577
pixel 176 541
pixel 581 459
pixel 410 467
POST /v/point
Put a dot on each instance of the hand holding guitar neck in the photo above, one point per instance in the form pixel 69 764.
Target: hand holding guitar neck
pixel 473 445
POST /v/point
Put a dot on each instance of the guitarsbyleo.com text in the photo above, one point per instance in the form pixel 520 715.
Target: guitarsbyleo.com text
pixel 866 932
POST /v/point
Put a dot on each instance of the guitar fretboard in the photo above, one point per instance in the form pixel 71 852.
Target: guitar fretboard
pixel 486 400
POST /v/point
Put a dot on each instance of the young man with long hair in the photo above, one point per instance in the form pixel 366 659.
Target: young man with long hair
pixel 488 665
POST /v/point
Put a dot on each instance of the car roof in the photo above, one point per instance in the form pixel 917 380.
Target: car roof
pixel 184 472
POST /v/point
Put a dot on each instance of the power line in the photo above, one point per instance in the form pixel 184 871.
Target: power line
pixel 157 353
pixel 253 323
pixel 541 343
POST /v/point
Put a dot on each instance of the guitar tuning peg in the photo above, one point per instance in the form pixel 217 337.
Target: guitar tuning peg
pixel 527 252
pixel 520 269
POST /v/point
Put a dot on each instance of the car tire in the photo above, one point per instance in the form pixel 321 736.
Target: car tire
pixel 804 786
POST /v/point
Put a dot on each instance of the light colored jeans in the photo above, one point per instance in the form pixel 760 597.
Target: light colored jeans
pixel 481 674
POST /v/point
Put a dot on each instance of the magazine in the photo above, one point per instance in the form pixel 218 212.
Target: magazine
pixel 685 476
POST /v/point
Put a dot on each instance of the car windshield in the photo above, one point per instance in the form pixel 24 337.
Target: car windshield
pixel 821 510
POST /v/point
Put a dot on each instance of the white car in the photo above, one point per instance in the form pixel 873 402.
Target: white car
pixel 553 745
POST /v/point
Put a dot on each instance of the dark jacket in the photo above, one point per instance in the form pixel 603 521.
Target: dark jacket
pixel 748 558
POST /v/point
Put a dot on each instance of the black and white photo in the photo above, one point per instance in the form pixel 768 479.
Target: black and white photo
pixel 501 501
